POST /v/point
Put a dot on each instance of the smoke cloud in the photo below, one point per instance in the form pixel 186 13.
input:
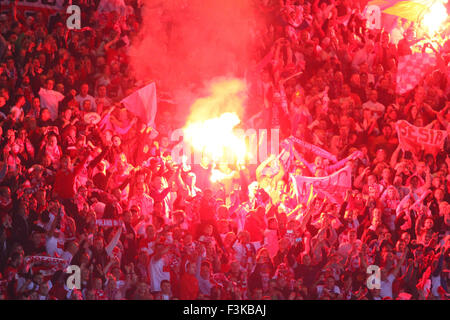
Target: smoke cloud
pixel 186 43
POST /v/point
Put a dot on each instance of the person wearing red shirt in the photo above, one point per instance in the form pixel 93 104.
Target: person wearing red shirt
pixel 189 283
pixel 65 178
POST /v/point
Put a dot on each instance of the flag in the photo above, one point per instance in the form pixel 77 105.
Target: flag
pixel 412 10
pixel 333 186
pixel 411 69
pixel 414 139
pixel 384 13
pixel 143 104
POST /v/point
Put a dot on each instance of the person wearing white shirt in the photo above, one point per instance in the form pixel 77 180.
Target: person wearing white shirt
pixel 50 99
pixel 373 105
pixel 387 278
pixel 80 98
pixel 158 268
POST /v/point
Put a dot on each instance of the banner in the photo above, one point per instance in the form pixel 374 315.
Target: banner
pixel 143 104
pixel 108 223
pixel 414 139
pixel 29 7
pixel 314 149
pixel 333 186
pixel 50 261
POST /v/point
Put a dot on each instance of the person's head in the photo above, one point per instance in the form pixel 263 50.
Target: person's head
pixel 116 141
pixel 330 282
pixel 98 243
pixel 318 161
pixel 52 140
pixel 371 180
pixel 44 289
pixel 352 237
pixel 439 194
pixel 165 287
pixel 84 89
pixel 306 259
pixel 205 269
pixel 386 175
pixel 65 163
pixel 142 291
pixel 428 224
pixel 414 181
pixel 400 246
pixel 391 192
pixel 387 130
pixel 191 268
pixel 376 221
pixel 86 107
pixel 45 114
pixel 355 79
pixel 49 84
pixel 38 278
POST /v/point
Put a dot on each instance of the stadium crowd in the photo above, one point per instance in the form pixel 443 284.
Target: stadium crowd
pixel 106 196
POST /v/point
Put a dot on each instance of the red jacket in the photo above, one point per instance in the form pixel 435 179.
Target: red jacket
pixel 188 287
pixel 65 181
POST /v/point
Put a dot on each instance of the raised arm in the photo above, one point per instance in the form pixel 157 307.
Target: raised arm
pixel 400 263
pixel 394 157
pixel 111 245
pixel 402 204
pixel 262 166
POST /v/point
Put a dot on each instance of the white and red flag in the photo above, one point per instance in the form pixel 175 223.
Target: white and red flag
pixel 143 104
pixel 414 139
pixel 333 186
pixel 411 69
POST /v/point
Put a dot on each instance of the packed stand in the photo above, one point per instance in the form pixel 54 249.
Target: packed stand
pixel 106 196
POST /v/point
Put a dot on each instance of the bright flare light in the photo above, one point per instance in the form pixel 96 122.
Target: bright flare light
pixel 435 17
pixel 216 139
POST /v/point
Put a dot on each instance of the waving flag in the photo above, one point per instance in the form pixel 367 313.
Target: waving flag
pixel 412 10
pixel 411 69
pixel 333 186
pixel 143 104
pixel 383 13
pixel 414 138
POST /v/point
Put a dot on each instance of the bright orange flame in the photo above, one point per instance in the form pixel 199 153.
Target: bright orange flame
pixel 216 139
pixel 435 17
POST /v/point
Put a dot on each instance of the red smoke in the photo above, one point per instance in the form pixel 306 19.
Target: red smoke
pixel 186 42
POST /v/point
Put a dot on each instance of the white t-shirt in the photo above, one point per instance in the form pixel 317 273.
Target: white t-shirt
pixel 50 99
pixel 157 273
pixel 386 287
pixel 54 245
pixel 145 202
pixel 81 100
pixel 375 107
